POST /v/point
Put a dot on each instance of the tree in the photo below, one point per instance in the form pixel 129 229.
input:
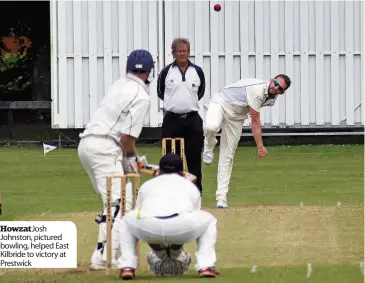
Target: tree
pixel 14 75
pixel 18 18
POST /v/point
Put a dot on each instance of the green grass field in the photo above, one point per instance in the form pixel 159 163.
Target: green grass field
pixel 299 205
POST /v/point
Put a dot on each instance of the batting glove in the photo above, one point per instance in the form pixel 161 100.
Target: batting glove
pixel 130 164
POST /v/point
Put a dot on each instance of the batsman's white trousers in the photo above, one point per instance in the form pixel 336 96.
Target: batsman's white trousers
pixel 197 225
pixel 101 157
pixel 230 118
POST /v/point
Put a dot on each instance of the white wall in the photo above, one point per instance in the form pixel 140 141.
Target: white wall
pixel 320 45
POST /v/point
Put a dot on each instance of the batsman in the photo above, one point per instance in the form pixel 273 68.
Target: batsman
pixel 107 145
pixel 167 215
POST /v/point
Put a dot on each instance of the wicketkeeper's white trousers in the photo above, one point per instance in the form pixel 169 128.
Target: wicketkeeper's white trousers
pixel 101 157
pixel 229 118
pixel 198 225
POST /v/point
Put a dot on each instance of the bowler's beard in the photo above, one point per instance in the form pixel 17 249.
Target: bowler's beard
pixel 270 93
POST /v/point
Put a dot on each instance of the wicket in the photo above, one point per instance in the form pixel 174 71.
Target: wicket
pixel 136 187
pixel 173 147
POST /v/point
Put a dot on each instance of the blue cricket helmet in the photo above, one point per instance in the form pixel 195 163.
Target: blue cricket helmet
pixel 140 61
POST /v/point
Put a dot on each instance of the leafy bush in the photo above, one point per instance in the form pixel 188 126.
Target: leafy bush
pixel 14 75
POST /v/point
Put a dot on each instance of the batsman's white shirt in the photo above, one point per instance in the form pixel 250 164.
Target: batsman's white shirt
pixel 122 110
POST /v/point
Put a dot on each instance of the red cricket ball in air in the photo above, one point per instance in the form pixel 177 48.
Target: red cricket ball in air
pixel 217 7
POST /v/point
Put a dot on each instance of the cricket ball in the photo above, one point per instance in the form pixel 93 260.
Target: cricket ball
pixel 217 7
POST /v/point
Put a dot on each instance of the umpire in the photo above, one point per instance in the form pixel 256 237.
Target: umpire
pixel 180 86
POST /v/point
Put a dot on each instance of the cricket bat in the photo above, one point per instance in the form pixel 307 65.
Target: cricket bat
pixel 153 169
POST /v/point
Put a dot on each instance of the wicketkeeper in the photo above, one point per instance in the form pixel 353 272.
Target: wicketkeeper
pixel 167 215
pixel 107 145
pixel 228 110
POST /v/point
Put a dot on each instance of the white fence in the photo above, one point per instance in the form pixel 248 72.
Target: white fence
pixel 320 45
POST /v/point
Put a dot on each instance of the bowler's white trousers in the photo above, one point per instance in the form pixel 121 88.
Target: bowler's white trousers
pixel 230 118
pixel 101 157
pixel 197 225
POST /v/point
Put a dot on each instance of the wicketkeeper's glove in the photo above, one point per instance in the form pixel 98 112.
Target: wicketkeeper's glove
pixel 175 263
pixel 170 267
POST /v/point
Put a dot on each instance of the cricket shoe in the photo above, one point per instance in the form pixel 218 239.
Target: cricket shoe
pixel 98 263
pixel 222 204
pixel 209 272
pixel 94 266
pixel 127 274
pixel 208 157
pixel 208 154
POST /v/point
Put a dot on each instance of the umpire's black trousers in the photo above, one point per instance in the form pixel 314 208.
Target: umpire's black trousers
pixel 190 127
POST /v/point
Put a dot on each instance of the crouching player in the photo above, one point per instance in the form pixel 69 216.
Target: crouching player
pixel 168 214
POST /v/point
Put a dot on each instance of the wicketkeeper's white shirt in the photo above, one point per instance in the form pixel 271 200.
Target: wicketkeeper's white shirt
pixel 248 92
pixel 122 110
pixel 166 195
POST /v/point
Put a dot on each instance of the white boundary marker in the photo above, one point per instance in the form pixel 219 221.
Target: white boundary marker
pixel 338 204
pixel 309 270
pixel 254 269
